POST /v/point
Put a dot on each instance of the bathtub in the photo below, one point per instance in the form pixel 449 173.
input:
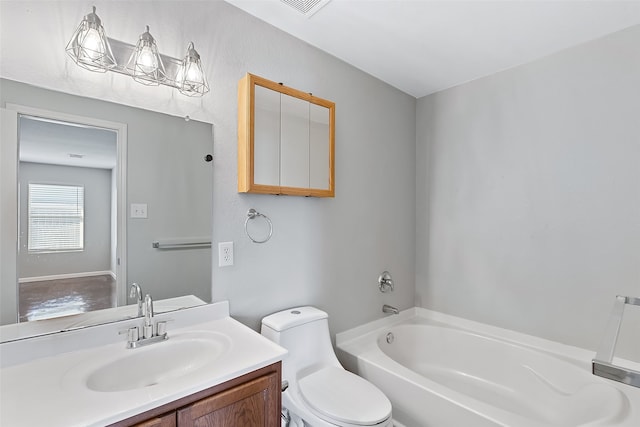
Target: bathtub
pixel 440 370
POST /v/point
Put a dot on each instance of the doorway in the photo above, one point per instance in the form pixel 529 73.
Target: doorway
pixel 66 217
pixel 70 203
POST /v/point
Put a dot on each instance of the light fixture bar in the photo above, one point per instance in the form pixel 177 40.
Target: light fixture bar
pixel 122 52
pixel 90 48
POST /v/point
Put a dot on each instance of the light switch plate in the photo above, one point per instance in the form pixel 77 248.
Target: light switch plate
pixel 138 210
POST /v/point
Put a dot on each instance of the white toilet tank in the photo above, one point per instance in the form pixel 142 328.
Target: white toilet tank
pixel 304 332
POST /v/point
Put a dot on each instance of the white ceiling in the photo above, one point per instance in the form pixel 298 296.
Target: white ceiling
pixel 69 144
pixel 423 46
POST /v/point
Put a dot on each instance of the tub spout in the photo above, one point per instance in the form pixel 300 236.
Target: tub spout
pixel 389 309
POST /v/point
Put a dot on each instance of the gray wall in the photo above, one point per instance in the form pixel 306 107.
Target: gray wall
pixel 531 181
pixel 325 252
pixel 97 221
pixel 166 170
pixel 524 215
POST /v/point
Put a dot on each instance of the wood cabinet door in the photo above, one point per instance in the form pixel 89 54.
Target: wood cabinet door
pixel 252 404
pixel 167 420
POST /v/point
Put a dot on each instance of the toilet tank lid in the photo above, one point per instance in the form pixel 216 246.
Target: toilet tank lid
pixel 292 317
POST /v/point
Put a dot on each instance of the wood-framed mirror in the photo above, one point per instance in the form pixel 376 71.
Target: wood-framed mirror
pixel 286 140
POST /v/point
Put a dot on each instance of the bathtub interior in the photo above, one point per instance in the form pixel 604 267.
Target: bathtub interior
pixel 495 374
pixel 504 375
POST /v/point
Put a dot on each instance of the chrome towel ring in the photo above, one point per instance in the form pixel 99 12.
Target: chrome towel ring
pixel 252 214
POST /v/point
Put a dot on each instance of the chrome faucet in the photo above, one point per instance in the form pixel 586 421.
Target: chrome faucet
pixel 136 292
pixel 147 330
pixel 149 336
pixel 389 309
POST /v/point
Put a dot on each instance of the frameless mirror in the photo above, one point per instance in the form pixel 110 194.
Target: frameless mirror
pixel 102 195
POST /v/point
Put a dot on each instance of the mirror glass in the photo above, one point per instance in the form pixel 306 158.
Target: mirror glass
pixel 112 183
pixel 291 141
pixel 294 142
pixel 267 140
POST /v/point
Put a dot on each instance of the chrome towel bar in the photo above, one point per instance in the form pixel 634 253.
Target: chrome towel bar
pixel 194 243
pixel 602 365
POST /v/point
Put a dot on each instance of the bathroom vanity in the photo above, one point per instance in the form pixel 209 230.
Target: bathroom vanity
pixel 252 399
pixel 211 371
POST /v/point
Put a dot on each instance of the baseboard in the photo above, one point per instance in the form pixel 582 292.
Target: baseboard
pixel 65 276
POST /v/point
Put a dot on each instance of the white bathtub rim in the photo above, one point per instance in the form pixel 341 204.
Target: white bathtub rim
pixel 360 331
pixel 572 354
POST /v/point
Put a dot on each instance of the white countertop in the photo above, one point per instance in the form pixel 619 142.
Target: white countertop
pixel 49 388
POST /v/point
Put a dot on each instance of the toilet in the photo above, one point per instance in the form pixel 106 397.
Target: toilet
pixel 319 391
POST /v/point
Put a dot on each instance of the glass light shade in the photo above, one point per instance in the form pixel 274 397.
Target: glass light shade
pixel 190 79
pixel 89 46
pixel 145 64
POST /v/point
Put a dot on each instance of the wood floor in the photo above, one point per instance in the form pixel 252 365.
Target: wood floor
pixel 53 298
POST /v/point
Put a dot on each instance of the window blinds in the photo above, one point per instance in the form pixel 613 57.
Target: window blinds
pixel 56 218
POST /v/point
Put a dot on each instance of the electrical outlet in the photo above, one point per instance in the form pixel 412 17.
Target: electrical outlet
pixel 225 254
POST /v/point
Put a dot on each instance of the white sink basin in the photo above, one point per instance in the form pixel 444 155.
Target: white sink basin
pixel 160 362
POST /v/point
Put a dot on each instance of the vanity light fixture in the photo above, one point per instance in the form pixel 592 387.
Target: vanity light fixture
pixel 191 80
pixel 145 63
pixel 90 48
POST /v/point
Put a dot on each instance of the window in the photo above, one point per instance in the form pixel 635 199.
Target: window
pixel 56 218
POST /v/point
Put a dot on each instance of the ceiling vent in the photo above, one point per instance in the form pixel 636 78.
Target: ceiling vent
pixel 306 7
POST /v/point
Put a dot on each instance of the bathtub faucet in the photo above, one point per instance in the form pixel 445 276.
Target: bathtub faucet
pixel 389 309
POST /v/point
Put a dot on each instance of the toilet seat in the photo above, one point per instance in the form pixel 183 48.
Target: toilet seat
pixel 342 398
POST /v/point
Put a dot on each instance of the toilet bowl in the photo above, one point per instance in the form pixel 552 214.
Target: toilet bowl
pixel 318 391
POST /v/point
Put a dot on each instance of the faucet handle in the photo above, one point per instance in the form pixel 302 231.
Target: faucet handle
pixel 385 282
pixel 161 327
pixel 133 333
